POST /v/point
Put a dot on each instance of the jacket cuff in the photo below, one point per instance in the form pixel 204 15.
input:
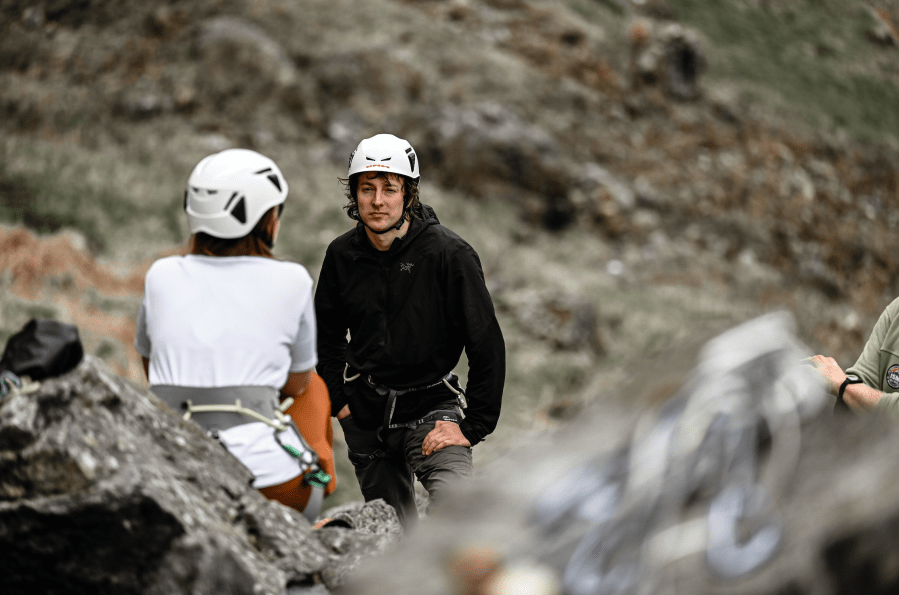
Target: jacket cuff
pixel 337 404
pixel 469 434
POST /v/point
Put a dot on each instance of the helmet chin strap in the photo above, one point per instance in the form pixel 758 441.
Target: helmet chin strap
pixel 396 227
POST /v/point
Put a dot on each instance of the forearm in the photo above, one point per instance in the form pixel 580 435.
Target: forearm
pixel 482 414
pixel 861 397
pixel 858 397
pixel 296 385
pixel 477 425
pixel 486 377
pixel 331 338
pixel 331 371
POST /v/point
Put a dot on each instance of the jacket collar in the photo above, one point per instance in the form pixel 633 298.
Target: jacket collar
pixel 416 227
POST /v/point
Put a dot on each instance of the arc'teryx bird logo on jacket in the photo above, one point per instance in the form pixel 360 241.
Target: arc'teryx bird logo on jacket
pixel 406 266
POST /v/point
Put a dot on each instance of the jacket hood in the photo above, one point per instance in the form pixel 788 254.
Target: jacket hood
pixel 429 214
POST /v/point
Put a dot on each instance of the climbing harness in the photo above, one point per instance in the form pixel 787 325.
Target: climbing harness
pixel 455 416
pixel 8 383
pixel 216 416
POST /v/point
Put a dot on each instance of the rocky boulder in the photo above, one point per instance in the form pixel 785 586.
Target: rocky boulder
pixel 105 489
pixel 490 151
pixel 741 480
pixel 667 55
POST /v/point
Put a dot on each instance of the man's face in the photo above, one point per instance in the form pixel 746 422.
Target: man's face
pixel 380 200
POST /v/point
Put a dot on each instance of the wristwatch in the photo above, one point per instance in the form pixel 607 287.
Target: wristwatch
pixel 850 379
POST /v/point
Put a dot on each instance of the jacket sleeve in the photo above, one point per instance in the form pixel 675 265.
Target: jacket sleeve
pixel 484 344
pixel 332 328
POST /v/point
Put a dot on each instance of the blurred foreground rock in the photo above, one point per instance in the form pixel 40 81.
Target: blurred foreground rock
pixel 104 490
pixel 742 481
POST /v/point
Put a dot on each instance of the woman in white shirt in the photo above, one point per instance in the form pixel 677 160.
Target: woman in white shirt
pixel 229 325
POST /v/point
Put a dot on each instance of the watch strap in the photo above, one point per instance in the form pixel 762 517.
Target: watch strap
pixel 849 380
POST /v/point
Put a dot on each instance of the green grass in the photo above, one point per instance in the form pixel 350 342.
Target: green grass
pixel 811 57
pixel 15 312
pixel 596 10
pixel 110 200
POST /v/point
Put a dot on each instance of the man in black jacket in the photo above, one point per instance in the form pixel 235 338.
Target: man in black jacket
pixel 411 293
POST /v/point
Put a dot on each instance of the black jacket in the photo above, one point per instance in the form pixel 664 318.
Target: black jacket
pixel 410 312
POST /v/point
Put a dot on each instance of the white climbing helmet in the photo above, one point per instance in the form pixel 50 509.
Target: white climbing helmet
pixel 229 192
pixel 387 153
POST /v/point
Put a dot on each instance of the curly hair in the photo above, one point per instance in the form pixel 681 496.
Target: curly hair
pixel 410 194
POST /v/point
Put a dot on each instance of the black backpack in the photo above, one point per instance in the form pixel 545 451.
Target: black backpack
pixel 42 349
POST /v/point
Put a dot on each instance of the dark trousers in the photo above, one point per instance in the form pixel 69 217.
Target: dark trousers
pixel 385 469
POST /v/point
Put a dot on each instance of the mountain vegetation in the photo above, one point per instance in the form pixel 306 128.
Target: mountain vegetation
pixel 635 175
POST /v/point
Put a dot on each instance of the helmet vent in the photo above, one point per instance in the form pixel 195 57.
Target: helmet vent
pixel 271 177
pixel 388 159
pixel 370 158
pixel 239 211
pixel 230 200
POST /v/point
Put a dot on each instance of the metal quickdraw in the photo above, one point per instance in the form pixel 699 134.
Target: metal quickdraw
pixel 315 477
pixel 11 384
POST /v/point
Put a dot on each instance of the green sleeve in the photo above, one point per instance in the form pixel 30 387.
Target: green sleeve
pixel 889 404
pixel 868 365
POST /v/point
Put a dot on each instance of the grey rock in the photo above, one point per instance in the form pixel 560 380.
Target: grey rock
pixel 374 527
pixel 345 130
pixel 19 422
pixel 142 100
pixel 673 58
pixel 488 150
pixel 33 17
pixel 307 590
pixel 563 321
pixel 373 82
pixel 239 57
pixel 597 176
pixel 104 489
pixel 883 31
pixel 373 518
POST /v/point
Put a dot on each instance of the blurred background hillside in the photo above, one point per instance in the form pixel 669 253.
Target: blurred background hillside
pixel 636 175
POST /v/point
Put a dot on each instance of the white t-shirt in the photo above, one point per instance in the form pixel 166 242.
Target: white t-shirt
pixel 210 321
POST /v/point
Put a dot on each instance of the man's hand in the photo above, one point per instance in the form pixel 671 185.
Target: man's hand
pixel 344 412
pixel 445 433
pixel 829 370
pixel 859 397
